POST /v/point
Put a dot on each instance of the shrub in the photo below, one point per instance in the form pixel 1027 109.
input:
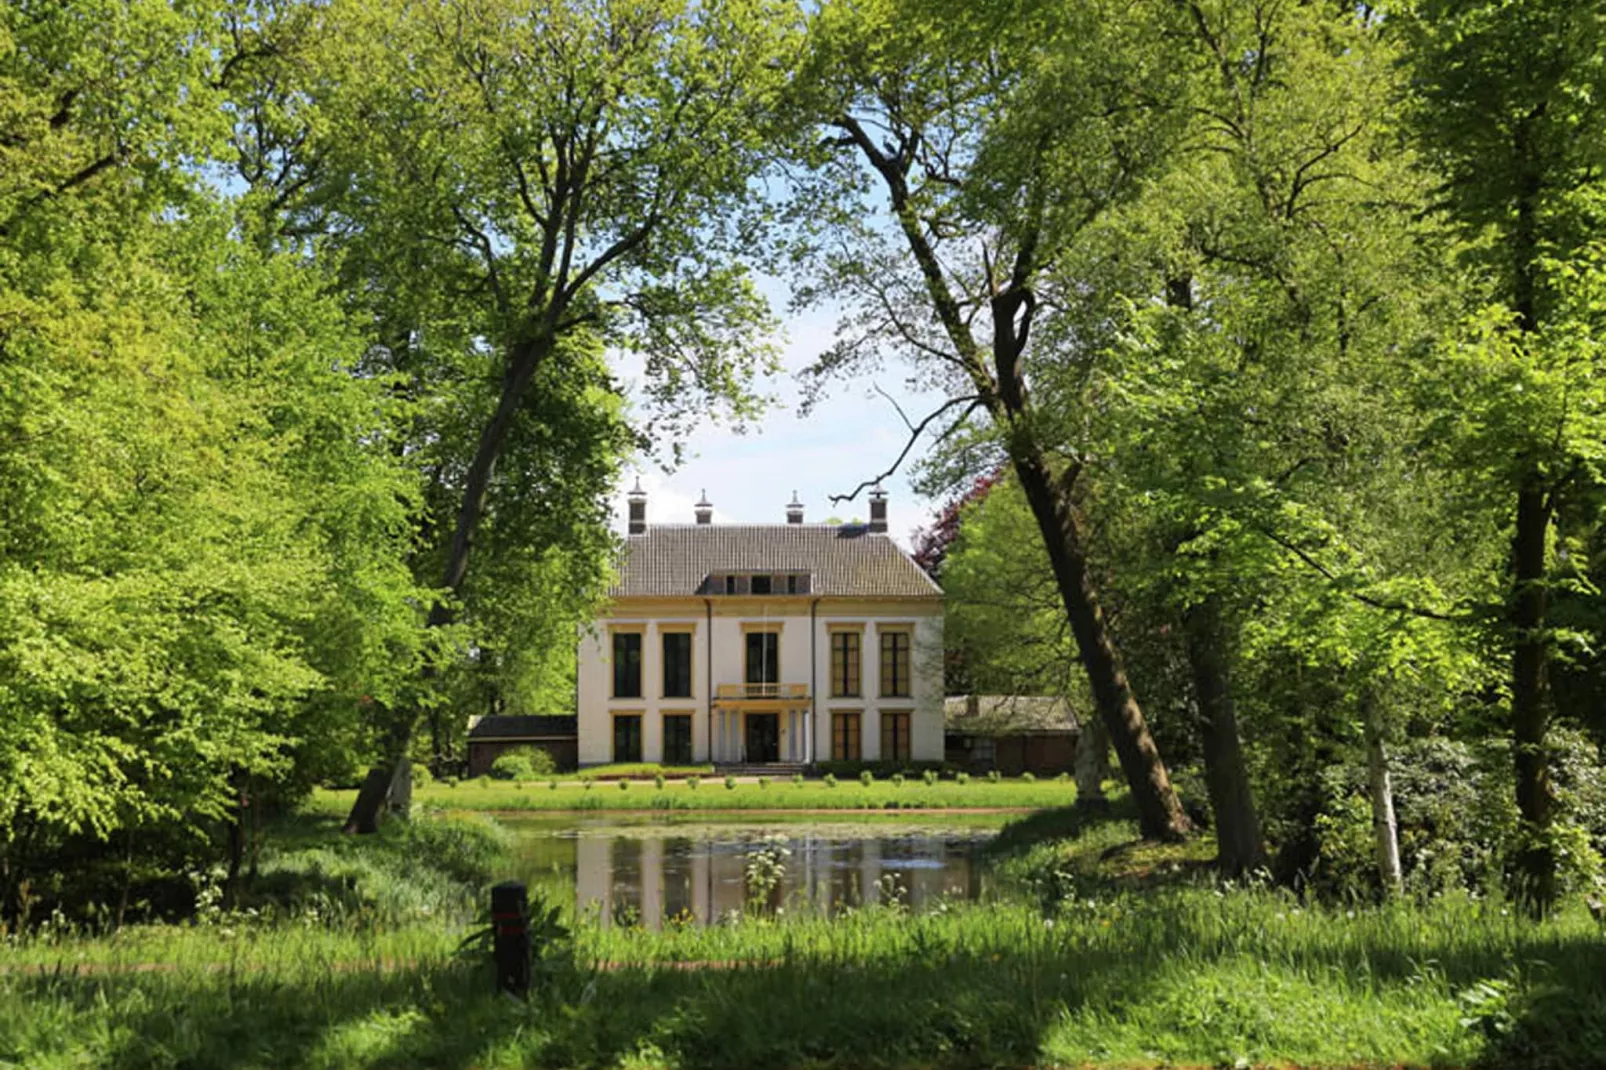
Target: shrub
pixel 930 777
pixel 624 785
pixel 512 766
pixel 692 782
pixel 797 778
pixel 730 783
pixel 449 781
pixel 588 784
pixel 422 777
pixel 897 780
pixel 1028 778
pixel 993 777
pixel 525 763
pixel 552 785
pixel 961 778
pixel 830 780
pixel 1063 778
pixel 662 802
pixel 658 781
pixel 866 778
pixel 763 783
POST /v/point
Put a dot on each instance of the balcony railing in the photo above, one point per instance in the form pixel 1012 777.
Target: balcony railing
pixel 741 691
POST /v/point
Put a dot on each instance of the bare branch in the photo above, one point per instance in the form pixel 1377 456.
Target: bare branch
pixel 972 401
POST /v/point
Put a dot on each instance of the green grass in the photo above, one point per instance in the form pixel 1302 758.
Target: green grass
pixel 712 794
pixel 1106 954
pixel 636 771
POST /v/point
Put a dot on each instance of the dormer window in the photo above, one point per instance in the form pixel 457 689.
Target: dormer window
pixel 763 583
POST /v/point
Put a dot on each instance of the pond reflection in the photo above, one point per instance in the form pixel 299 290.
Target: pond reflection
pixel 636 875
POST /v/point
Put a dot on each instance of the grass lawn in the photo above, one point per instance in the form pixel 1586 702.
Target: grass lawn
pixel 712 794
pixel 1103 954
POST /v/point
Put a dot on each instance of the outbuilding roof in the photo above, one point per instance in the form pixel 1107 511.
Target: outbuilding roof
pixel 508 726
pixel 845 560
pixel 1008 715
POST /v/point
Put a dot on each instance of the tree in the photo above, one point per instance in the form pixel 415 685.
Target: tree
pixel 204 559
pixel 513 185
pixel 989 165
pixel 1508 109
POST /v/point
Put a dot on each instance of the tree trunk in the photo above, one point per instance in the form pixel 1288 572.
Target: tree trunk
pixel 1160 815
pixel 1536 865
pixel 1239 848
pixel 1530 717
pixel 524 359
pixel 1384 828
pixel 1092 764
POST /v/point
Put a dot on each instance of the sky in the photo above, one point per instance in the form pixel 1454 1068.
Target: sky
pixel 851 434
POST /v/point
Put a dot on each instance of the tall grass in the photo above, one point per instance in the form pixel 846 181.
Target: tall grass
pixel 1099 957
pixel 1181 976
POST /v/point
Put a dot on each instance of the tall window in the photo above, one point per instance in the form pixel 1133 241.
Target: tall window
pixel 845 745
pixel 763 657
pixel 894 737
pixel 894 664
pixel 627 738
pixel 845 664
pixel 626 664
pixel 677 739
pixel 677 664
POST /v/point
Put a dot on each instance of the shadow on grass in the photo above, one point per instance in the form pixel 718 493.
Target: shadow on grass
pixel 946 1003
pixel 1061 823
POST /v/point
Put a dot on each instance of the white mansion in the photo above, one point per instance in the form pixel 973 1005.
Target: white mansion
pixel 763 644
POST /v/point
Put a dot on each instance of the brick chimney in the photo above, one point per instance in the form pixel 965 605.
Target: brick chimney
pixel 794 510
pixel 638 509
pixel 878 511
pixel 705 509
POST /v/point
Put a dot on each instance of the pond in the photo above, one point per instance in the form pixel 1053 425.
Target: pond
pixel 697 871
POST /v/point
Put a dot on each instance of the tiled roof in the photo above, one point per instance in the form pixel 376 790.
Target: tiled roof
pixel 1007 715
pixel 842 559
pixel 520 727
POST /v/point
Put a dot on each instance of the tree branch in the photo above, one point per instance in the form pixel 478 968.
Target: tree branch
pixel 1365 599
pixel 972 401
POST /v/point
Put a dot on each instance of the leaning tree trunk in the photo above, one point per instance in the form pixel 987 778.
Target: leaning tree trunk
pixel 1160 815
pixel 1001 388
pixel 1239 848
pixel 1385 830
pixel 524 359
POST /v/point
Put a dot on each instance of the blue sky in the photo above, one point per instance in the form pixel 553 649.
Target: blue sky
pixel 850 435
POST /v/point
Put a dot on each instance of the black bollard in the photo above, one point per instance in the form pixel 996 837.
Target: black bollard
pixel 510 922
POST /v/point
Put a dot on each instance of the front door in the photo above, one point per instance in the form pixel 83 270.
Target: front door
pixel 763 737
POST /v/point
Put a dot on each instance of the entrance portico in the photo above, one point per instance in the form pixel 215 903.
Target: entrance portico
pixel 758 724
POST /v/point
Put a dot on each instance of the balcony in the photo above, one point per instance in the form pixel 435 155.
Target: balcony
pixel 772 691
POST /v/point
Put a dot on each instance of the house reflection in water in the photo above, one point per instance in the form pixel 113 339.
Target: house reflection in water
pixel 646 880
